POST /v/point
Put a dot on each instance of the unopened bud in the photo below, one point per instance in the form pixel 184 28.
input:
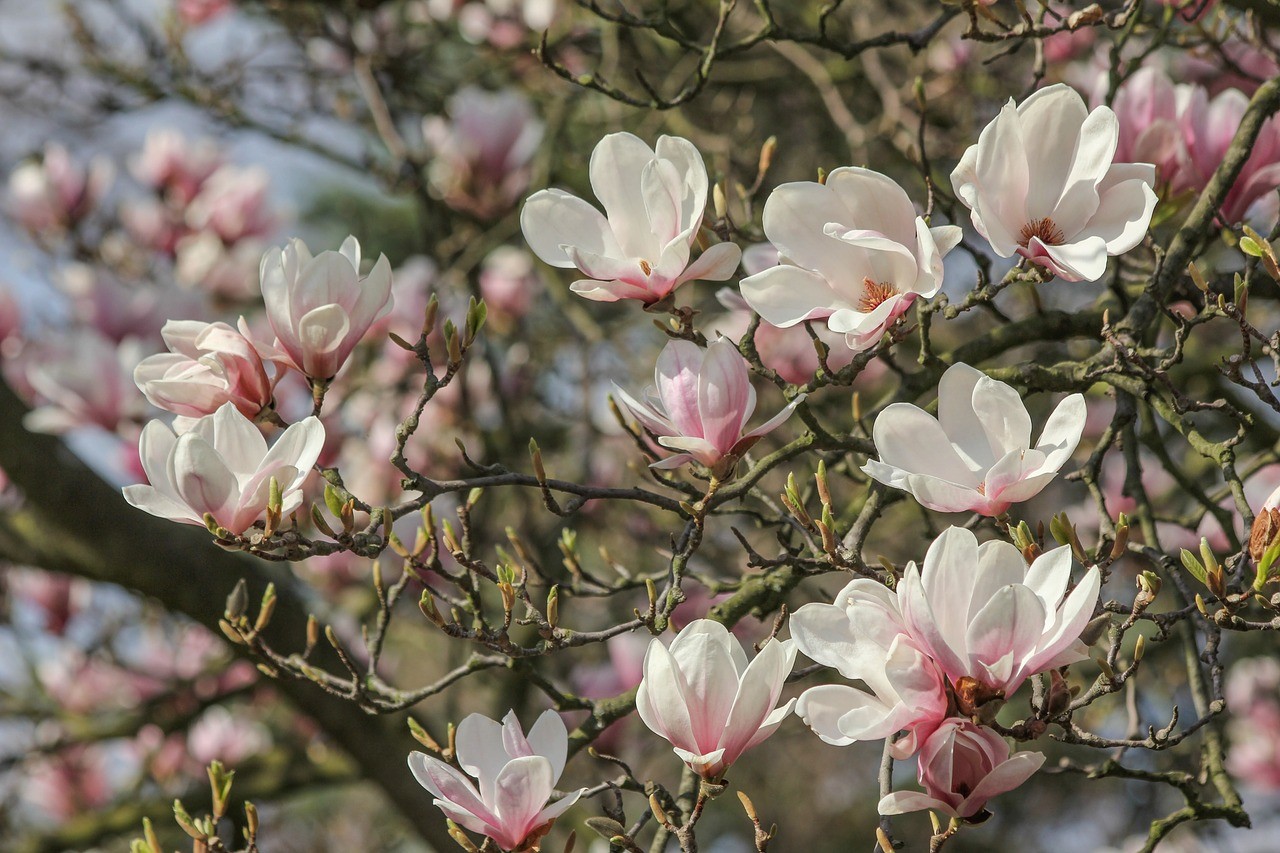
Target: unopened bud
pixel 1265 530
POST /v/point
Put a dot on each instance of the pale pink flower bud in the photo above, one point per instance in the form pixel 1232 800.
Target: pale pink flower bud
pixel 233 204
pixel 962 766
pixel 981 613
pixel 175 165
pixel 703 696
pixel 481 154
pixel 639 249
pixel 1041 183
pixel 1146 107
pixel 208 364
pixel 856 256
pixel 976 455
pixel 55 193
pixel 702 403
pixel 515 775
pixel 789 352
pixel 221 466
pixel 861 635
pixel 320 307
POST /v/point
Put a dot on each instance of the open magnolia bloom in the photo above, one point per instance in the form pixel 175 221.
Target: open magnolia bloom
pixel 639 249
pixel 208 364
pixel 862 636
pixel 703 696
pixel 1040 183
pixel 977 454
pixel 961 767
pixel 516 775
pixel 700 404
pixel 221 466
pixel 320 307
pixel 853 253
pixel 988 620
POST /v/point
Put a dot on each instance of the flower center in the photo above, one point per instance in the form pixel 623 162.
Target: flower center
pixel 1045 229
pixel 875 294
pixel 646 267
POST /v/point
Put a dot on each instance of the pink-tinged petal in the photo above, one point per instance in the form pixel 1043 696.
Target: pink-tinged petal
pixel 1123 215
pixel 1003 416
pixel 758 692
pixel 941 495
pixel 550 739
pixel 299 446
pixel 959 420
pixel 1002 178
pixel 910 439
pixel 520 791
pixel 1073 616
pixel 872 197
pixel 480 752
pixel 202 481
pixel 708 765
pixel 373 296
pixel 903 802
pixel 682 154
pixel 554 219
pixel 604 268
pixel 1085 260
pixel 825 707
pixel 923 623
pixel 676 379
pixel 717 263
pixel 1010 470
pixel 446 783
pixel 557 808
pixel 613 291
pixel 1062 432
pixel 1048 576
pixel 710 679
pixel 616 169
pixel 1005 777
pixel 955 567
pixel 321 334
pixel 771 724
pixel 1006 631
pixel 150 499
pixel 725 397
pixel 795 216
pixel 660 699
pixel 513 739
pixel 645 414
pixel 673 462
pixel 1023 490
pixel 946 237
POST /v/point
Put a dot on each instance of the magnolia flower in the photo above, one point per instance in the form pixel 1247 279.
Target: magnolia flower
pixel 987 619
pixel 233 204
pixel 175 165
pixel 639 249
pixel 702 404
pixel 854 254
pixel 320 307
pixel 516 776
pixel 54 193
pixel 961 767
pixel 508 282
pixel 1208 128
pixel 1041 183
pixel 83 381
pixel 481 155
pixel 707 701
pixel 862 636
pixel 1146 108
pixel 977 454
pixel 203 261
pixel 221 467
pixel 209 364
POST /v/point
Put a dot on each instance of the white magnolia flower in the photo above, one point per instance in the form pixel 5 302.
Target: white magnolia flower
pixel 977 454
pixel 639 249
pixel 221 466
pixel 703 696
pixel 853 252
pixel 516 775
pixel 1040 183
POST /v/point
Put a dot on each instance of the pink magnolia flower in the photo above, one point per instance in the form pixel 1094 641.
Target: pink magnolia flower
pixel 977 454
pixel 702 404
pixel 83 381
pixel 222 466
pixel 175 165
pixel 862 636
pixel 205 263
pixel 961 767
pixel 1146 108
pixel 233 204
pixel 1253 697
pixel 117 310
pixel 1041 183
pixel 208 364
pixel 194 13
pixel 508 283
pixel 222 736
pixel 516 776
pixel 55 193
pixel 653 200
pixel 1066 45
pixel 1208 126
pixel 853 253
pixel 57 597
pixel 71 783
pixel 979 611
pixel 320 308
pixel 707 701
pixel 481 154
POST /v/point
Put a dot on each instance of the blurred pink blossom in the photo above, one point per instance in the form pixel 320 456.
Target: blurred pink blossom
pixel 233 204
pixel 1146 107
pixel 175 165
pixel 51 195
pixel 84 380
pixel 69 784
pixel 58 597
pixel 219 735
pixel 230 273
pixel 10 313
pixel 1253 697
pixel 1208 126
pixel 508 283
pixel 194 13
